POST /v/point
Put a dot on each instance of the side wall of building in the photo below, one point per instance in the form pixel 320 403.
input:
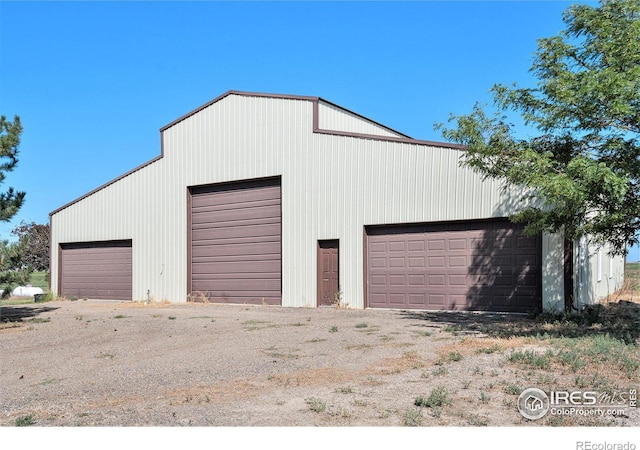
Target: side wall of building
pixel 597 274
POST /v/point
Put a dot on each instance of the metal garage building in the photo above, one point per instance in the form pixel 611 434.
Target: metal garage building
pixel 295 201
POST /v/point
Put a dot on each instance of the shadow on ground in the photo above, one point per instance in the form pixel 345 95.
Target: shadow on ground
pixel 619 320
pixel 20 313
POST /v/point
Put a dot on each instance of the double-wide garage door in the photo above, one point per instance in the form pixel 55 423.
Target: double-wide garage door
pixel 485 266
pixel 235 242
pixel 96 270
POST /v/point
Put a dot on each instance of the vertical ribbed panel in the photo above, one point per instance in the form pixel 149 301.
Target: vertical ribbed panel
pixel 332 187
pixel 553 272
pixel 590 289
pixel 332 118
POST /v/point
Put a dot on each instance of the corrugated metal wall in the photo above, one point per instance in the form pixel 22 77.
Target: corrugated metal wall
pixel 597 273
pixel 332 186
pixel 333 118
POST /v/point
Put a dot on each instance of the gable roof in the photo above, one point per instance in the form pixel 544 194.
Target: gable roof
pixel 389 133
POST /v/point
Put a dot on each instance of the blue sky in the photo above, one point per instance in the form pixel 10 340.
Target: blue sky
pixel 93 82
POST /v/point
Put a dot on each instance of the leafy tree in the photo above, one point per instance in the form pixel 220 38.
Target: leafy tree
pixel 33 239
pixel 11 269
pixel 580 173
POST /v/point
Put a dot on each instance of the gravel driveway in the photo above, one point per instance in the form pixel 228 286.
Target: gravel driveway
pixel 98 363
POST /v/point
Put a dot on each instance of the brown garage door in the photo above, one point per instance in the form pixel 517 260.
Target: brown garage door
pixel 235 243
pixel 96 270
pixel 486 266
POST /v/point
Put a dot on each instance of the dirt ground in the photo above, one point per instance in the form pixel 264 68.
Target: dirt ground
pixel 99 363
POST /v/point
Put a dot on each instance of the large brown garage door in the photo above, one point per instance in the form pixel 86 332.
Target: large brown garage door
pixel 484 266
pixel 235 243
pixel 96 270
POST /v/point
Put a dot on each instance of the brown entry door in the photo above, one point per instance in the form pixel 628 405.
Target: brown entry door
pixel 328 269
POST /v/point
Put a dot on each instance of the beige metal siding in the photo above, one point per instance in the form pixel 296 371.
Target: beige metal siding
pixel 332 186
pixel 597 274
pixel 333 118
pixel 553 272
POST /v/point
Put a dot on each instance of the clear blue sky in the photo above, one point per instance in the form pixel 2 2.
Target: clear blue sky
pixel 94 82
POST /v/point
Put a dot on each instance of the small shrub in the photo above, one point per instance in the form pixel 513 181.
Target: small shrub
pixel 477 421
pixel 440 371
pixel 333 329
pixel 25 421
pixel 484 398
pixel 412 417
pixel 454 356
pixel 362 325
pixel 438 397
pixel 513 389
pixel 345 390
pixel 172 317
pixel 315 404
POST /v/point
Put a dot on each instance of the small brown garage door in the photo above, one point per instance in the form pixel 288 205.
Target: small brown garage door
pixel 96 270
pixel 487 266
pixel 235 243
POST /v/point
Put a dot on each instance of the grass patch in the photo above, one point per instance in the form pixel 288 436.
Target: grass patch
pixel 120 316
pixel 632 276
pixel 451 329
pixel 359 347
pixel 17 301
pixel 423 333
pixel 621 320
pixel 530 359
pixel 274 352
pixel 362 325
pixel 39 320
pixel 40 279
pixel 489 350
pixel 603 352
pixel 252 325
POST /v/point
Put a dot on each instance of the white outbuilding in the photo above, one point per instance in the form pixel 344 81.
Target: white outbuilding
pixel 296 201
